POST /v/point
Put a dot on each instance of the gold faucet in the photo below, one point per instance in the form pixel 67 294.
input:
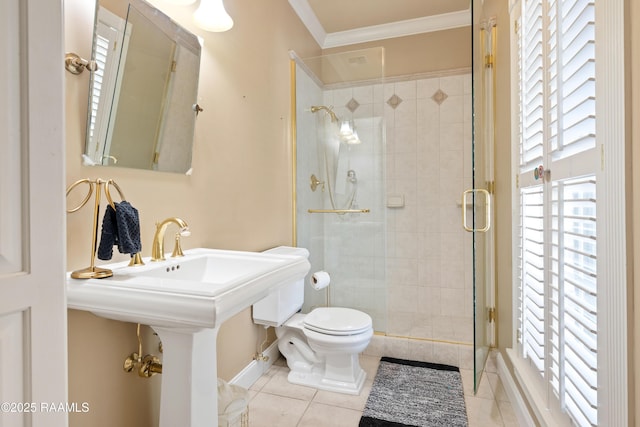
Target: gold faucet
pixel 157 249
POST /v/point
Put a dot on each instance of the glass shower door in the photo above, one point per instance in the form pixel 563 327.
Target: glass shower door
pixel 340 213
pixel 477 202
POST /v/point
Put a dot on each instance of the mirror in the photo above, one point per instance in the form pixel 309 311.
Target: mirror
pixel 143 98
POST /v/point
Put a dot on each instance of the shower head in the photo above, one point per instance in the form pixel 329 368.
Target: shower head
pixel 329 111
pixel 347 131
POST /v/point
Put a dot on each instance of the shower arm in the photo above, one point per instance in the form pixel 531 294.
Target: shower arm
pixel 328 110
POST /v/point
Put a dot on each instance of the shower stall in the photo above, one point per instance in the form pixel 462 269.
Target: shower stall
pixel 381 165
pixel 340 215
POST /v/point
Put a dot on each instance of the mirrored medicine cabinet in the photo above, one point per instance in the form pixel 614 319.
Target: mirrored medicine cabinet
pixel 143 97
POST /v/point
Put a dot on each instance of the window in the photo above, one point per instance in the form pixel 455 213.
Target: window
pixel 561 171
pixel 102 58
pixel 110 43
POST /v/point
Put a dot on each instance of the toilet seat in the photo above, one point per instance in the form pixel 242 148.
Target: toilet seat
pixel 338 321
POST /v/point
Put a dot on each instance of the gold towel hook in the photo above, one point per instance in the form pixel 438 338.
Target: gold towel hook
pixel 75 64
pixel 92 271
pixel 106 190
pixel 86 198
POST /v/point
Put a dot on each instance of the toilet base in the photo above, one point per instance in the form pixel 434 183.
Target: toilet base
pixel 319 381
pixel 324 362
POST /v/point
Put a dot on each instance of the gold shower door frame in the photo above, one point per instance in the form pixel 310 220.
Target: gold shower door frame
pixel 482 194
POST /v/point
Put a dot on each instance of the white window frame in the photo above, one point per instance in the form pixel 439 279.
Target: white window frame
pixel 118 32
pixel 613 390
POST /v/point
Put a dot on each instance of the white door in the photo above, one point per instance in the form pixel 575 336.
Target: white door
pixel 33 370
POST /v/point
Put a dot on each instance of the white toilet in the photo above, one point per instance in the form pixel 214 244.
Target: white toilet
pixel 321 347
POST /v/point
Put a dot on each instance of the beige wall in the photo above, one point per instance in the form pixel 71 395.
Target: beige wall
pixel 239 196
pixel 430 52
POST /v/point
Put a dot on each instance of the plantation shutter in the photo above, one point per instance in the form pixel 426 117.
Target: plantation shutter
pixel 557 305
pixel 533 276
pixel 107 50
pixel 572 299
pixel 102 54
pixel 532 85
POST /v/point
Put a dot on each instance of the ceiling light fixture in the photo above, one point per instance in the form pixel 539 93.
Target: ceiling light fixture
pixel 348 133
pixel 353 139
pixel 212 16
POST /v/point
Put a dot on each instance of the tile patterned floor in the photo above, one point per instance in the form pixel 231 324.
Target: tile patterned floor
pixel 277 403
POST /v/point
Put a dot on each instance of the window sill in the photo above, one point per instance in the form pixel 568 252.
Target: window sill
pixel 535 395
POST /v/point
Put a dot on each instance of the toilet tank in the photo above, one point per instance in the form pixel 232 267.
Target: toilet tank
pixel 284 301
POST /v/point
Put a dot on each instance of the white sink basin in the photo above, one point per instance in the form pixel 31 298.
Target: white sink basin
pixel 201 289
pixel 185 300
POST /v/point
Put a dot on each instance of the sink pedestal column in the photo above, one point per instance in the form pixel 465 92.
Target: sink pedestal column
pixel 189 393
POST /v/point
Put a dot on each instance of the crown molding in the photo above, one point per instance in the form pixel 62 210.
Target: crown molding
pixel 408 27
pixel 309 19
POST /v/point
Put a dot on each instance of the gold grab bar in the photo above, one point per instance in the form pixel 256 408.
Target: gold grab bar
pixel 339 211
pixel 487 208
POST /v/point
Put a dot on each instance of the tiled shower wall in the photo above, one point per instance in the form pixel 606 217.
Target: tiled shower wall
pixel 429 265
pixel 429 255
pixel 427 161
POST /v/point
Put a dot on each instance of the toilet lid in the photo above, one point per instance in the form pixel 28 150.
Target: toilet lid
pixel 337 321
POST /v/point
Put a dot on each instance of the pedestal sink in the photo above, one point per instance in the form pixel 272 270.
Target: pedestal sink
pixel 185 300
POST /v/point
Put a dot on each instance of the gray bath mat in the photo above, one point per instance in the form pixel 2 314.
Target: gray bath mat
pixel 409 393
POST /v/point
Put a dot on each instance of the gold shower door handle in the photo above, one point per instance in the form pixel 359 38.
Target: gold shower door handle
pixel 487 208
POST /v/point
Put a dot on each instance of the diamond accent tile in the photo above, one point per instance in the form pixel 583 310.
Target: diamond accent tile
pixel 439 97
pixel 352 105
pixel 394 101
